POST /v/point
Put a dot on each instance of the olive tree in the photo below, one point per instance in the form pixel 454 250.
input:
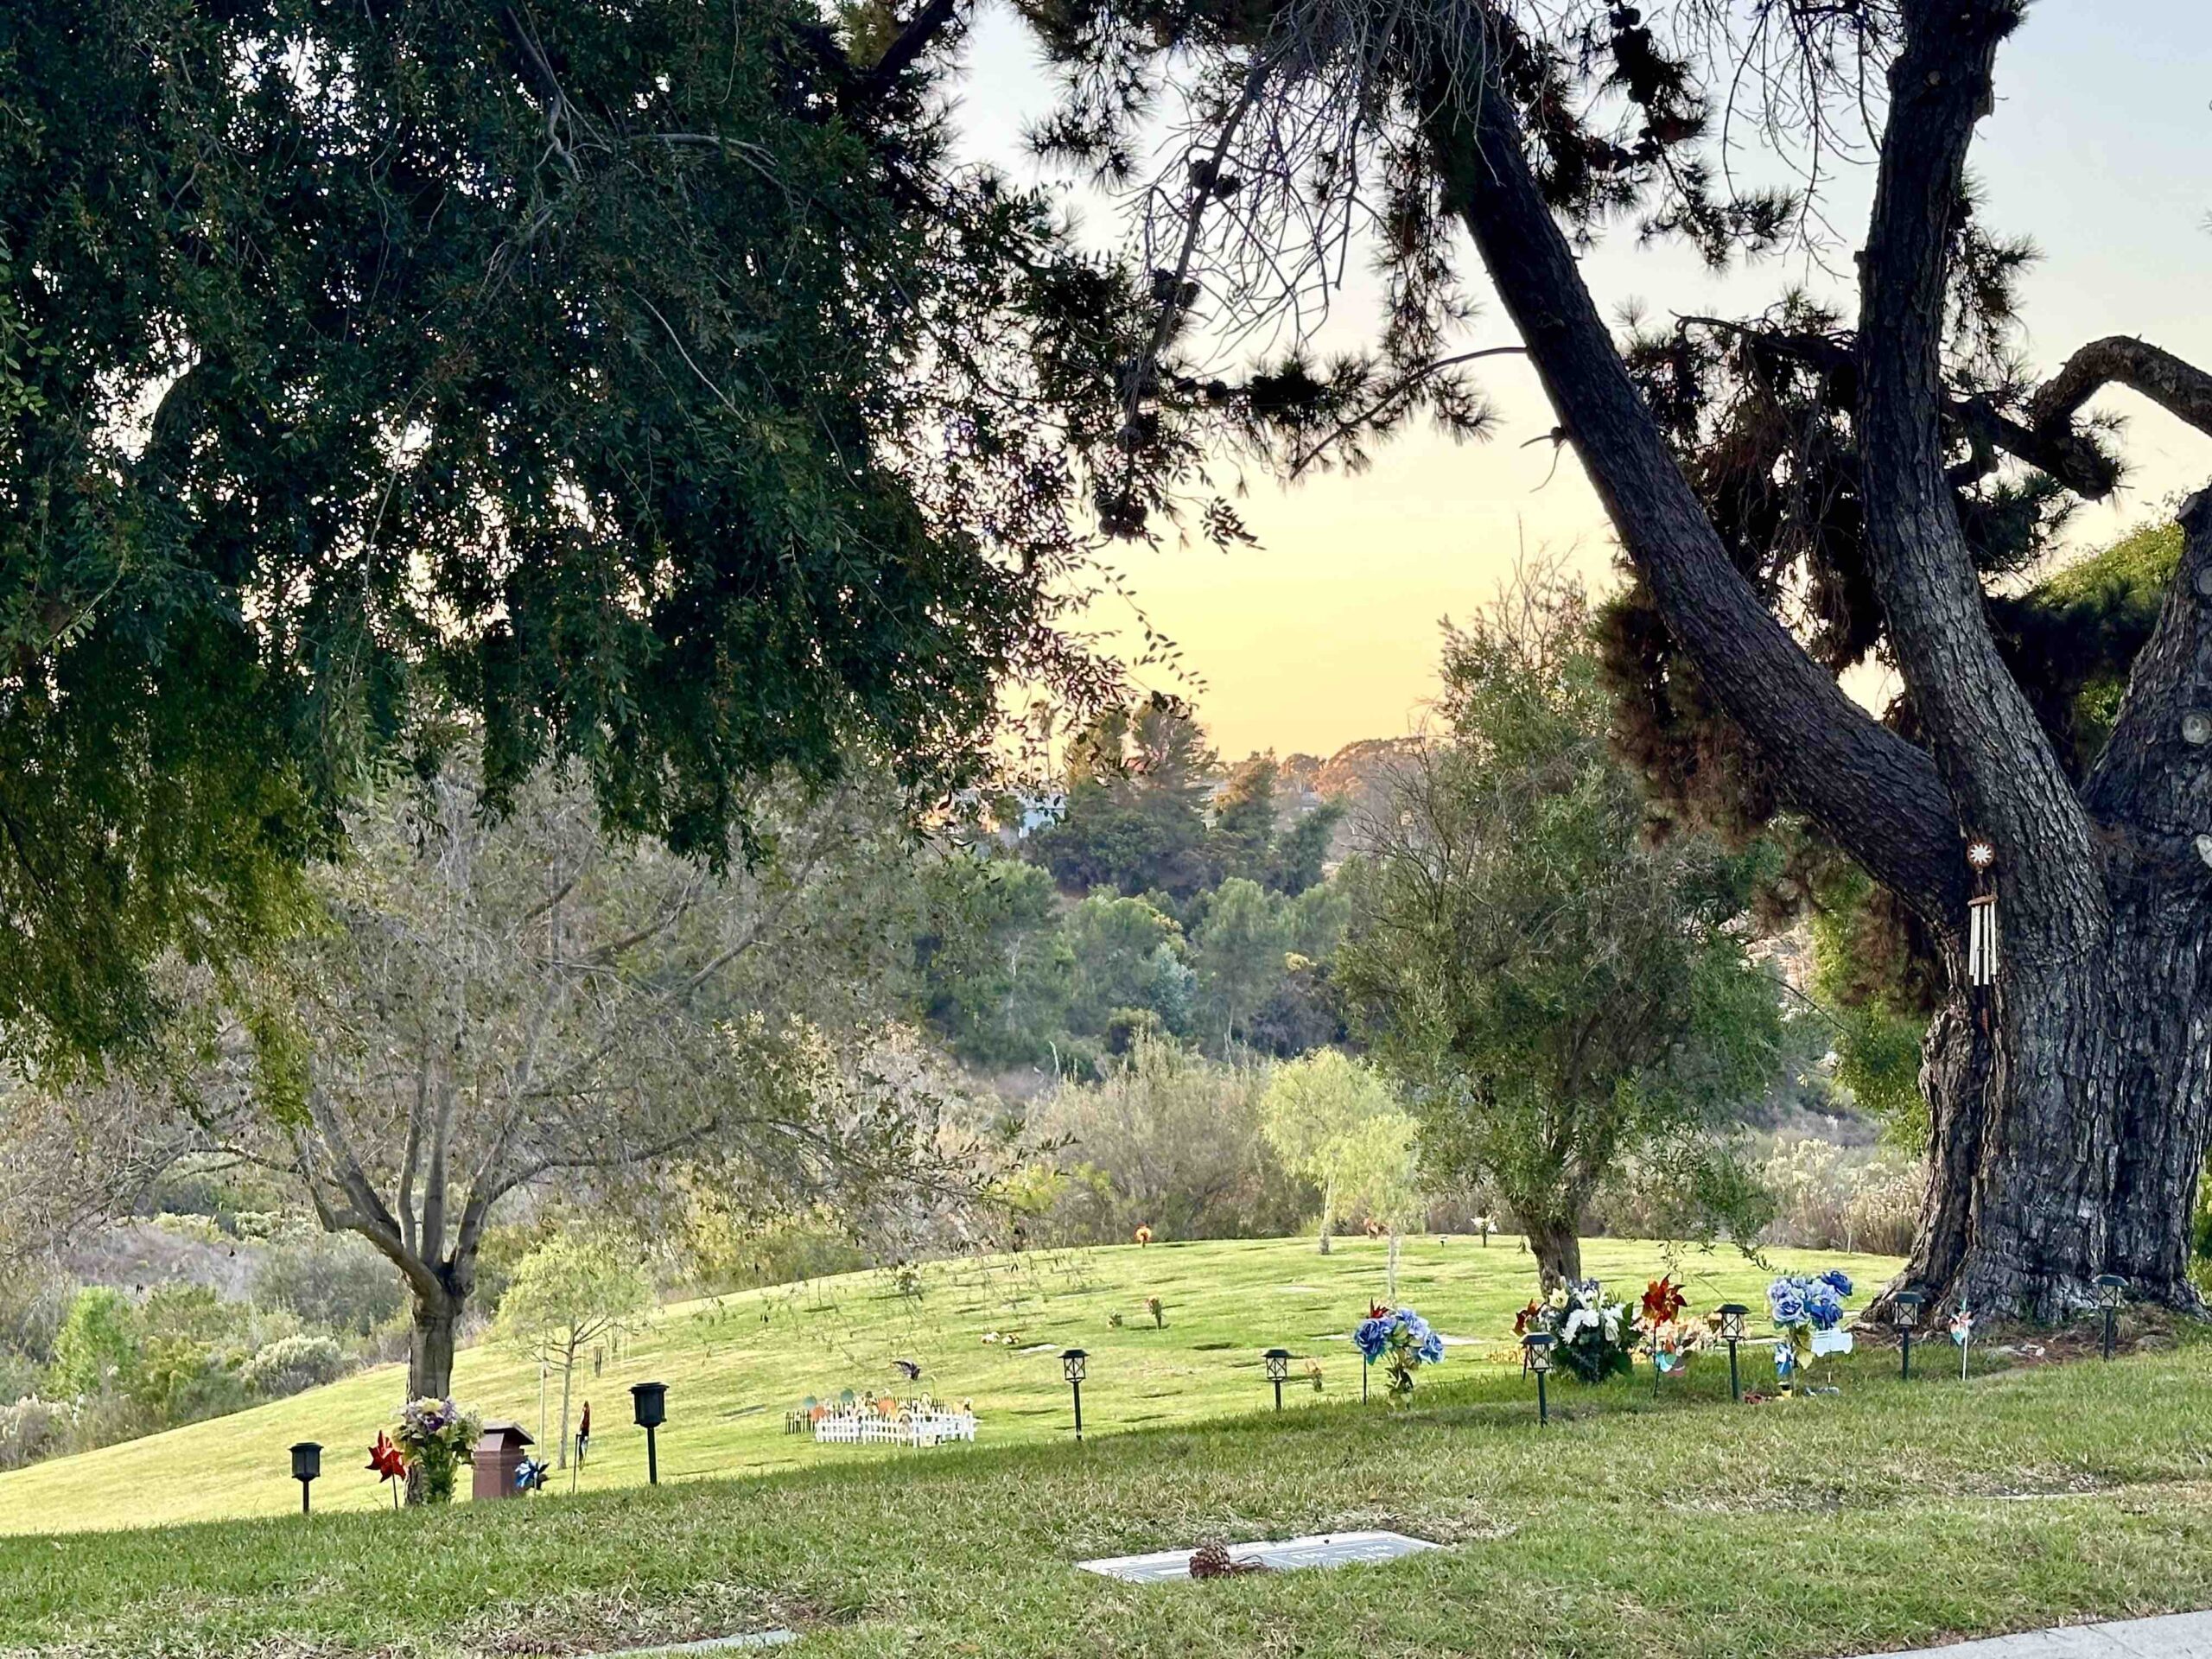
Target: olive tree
pixel 1555 991
pixel 493 1004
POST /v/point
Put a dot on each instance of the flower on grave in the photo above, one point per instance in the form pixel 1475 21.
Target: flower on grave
pixel 1401 1341
pixel 436 1437
pixel 1144 1235
pixel 1800 1306
pixel 1313 1374
pixel 1159 1312
pixel 1594 1335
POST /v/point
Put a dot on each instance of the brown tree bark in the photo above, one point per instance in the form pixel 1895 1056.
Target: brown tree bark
pixel 1557 1246
pixel 430 1345
pixel 2070 1102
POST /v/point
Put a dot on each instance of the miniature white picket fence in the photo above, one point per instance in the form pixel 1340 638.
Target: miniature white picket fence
pixel 907 1428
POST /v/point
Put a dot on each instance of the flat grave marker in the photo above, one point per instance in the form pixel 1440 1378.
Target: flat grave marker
pixel 1326 1549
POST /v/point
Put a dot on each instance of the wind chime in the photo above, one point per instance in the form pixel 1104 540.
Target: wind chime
pixel 1981 920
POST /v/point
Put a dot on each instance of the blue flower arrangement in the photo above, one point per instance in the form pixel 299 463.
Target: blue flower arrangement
pixel 1401 1340
pixel 1809 1315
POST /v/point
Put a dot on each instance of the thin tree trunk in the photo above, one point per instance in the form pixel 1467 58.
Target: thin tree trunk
pixel 567 1380
pixel 1328 1206
pixel 1557 1246
pixel 1390 1274
pixel 429 1362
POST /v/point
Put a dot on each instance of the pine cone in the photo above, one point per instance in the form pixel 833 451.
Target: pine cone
pixel 1212 1560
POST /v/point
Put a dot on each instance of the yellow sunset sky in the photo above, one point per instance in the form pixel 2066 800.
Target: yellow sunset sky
pixel 1326 632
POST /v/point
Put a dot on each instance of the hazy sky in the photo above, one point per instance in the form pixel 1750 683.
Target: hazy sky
pixel 1327 631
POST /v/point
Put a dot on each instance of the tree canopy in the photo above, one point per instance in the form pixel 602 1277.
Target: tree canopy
pixel 1556 992
pixel 644 386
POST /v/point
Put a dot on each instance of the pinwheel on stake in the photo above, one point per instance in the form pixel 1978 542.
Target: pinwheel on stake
pixel 387 1462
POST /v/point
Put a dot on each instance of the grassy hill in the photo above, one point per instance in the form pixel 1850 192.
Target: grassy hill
pixel 733 1366
pixel 1888 1516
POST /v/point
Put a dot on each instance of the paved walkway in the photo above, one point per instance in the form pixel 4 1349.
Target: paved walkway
pixel 2177 1636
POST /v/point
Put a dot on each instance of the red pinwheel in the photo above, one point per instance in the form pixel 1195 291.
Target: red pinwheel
pixel 1377 1310
pixel 386 1460
pixel 1663 1300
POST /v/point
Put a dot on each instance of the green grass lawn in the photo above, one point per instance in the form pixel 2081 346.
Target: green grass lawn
pixel 1889 1514
pixel 735 1365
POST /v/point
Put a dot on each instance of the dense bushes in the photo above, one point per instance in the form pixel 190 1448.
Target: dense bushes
pixel 330 1279
pixel 291 1364
pixel 1166 1140
pixel 89 1364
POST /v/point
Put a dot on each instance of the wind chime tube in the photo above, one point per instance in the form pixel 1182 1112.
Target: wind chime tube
pixel 1982 940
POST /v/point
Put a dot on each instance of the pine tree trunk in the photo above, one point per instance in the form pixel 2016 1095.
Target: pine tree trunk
pixel 2070 1109
pixel 2069 1103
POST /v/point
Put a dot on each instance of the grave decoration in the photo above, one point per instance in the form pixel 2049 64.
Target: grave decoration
pixel 529 1475
pixel 2112 1290
pixel 436 1437
pixel 1212 1560
pixel 919 1422
pixel 307 1468
pixel 1143 1236
pixel 1594 1337
pixel 1401 1341
pixel 1963 1333
pixel 1158 1309
pixel 1807 1316
pixel 1667 1338
pixel 388 1463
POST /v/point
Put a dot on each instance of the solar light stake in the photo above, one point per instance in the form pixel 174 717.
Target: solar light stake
pixel 652 1401
pixel 1731 1333
pixel 1536 1354
pixel 2110 1288
pixel 1278 1368
pixel 1071 1366
pixel 1906 1315
pixel 307 1464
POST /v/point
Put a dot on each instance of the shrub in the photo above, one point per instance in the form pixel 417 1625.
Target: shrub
pixel 97 1347
pixel 34 1428
pixel 292 1364
pixel 1832 1197
pixel 336 1281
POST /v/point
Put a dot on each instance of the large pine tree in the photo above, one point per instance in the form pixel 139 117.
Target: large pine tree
pixel 2070 1100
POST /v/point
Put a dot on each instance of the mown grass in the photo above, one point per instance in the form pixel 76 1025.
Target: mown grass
pixel 1887 1516
pixel 735 1366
